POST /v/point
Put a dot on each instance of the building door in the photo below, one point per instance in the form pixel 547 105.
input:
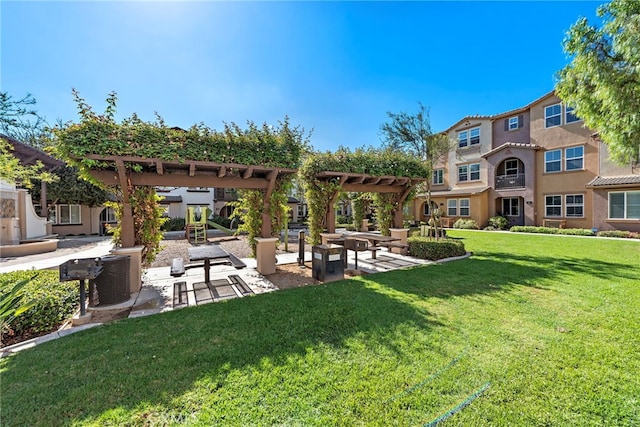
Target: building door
pixel 512 210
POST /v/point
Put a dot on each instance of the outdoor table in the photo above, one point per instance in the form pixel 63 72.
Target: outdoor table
pixel 207 253
pixel 375 240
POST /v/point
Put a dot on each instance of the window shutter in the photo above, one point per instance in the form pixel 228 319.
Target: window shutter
pixel 506 124
pixel 520 120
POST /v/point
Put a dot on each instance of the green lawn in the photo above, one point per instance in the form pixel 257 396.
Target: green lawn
pixel 531 330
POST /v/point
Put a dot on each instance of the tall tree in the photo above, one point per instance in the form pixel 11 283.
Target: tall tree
pixel 602 81
pixel 20 120
pixel 412 134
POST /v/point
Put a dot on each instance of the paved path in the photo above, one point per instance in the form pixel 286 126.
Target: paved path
pixel 81 247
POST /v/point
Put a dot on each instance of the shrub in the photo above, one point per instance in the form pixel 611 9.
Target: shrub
pixel 174 224
pixel 344 219
pixel 425 248
pixel 52 302
pixel 619 234
pixel 551 230
pixel 499 222
pixel 466 224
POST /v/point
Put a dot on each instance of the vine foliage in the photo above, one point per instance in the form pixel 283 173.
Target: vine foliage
pixel 266 145
pixel 370 161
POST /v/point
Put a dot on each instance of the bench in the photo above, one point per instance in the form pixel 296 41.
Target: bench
pixel 177 267
pixel 235 261
pixel 402 246
pixel 240 284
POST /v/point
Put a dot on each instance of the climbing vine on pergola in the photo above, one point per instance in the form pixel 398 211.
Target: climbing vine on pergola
pixel 390 175
pixel 135 153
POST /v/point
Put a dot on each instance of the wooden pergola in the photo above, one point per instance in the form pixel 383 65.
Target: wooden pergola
pixel 126 171
pixel 363 183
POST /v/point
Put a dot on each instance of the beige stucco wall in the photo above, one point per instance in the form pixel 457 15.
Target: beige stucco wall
pixel 521 135
pixel 564 182
pixel 527 194
pixel 478 204
pixel 467 155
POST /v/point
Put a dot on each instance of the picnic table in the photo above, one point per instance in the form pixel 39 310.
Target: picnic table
pixel 207 253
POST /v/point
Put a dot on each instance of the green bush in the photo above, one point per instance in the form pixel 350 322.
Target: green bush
pixel 426 248
pixel 174 224
pixel 620 234
pixel 499 222
pixel 344 219
pixel 551 230
pixel 466 224
pixel 52 301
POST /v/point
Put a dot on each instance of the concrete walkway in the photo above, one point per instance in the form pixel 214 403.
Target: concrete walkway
pixel 159 290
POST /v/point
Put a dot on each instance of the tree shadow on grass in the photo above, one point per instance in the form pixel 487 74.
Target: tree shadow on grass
pixel 160 358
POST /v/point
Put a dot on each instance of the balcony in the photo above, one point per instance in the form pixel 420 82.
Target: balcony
pixel 505 182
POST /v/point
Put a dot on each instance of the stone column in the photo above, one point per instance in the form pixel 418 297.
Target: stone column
pixel 403 235
pixel 135 265
pixel 266 255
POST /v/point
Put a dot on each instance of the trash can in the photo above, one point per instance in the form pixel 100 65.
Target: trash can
pixel 112 286
pixel 327 262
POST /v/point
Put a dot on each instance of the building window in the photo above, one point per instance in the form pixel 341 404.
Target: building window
pixel 574 205
pixel 464 207
pixel 463 138
pixel 569 116
pixel 624 205
pixel 469 172
pixel 474 136
pixel 553 206
pixel 463 173
pixel 511 167
pixel 553 115
pixel 470 137
pixel 511 207
pixel 574 158
pixel 452 207
pixel 67 214
pixel 474 172
pixel 438 177
pixel 553 161
pixel 514 123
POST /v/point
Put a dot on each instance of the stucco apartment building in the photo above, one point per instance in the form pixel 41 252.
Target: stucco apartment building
pixel 536 165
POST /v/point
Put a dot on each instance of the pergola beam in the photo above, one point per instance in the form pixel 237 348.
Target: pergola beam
pixel 156 172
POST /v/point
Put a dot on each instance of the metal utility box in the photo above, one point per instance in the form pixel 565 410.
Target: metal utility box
pixel 328 262
pixel 112 286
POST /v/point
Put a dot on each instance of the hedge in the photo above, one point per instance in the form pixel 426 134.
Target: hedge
pixel 426 248
pixel 619 234
pixel 54 301
pixel 551 230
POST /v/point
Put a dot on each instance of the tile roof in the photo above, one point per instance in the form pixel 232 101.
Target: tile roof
pixel 607 181
pixel 522 145
pixel 29 155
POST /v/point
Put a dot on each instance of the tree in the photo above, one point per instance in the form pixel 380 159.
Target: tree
pixel 602 81
pixel 412 133
pixel 11 170
pixel 19 120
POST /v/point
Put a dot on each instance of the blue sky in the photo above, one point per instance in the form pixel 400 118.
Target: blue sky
pixel 334 67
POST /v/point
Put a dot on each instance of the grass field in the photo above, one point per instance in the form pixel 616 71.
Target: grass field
pixel 531 330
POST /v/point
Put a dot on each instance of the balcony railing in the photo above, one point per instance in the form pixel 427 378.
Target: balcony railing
pixel 510 181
